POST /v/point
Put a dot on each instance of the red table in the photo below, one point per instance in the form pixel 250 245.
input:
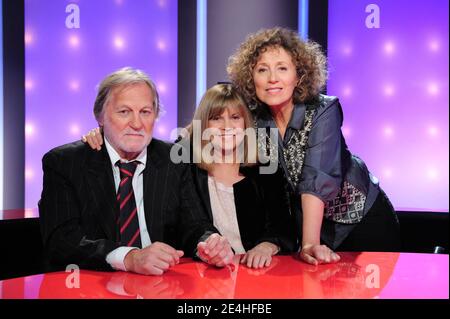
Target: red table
pixel 357 275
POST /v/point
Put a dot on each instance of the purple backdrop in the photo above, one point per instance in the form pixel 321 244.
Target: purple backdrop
pixel 64 65
pixel 393 86
pixel 392 82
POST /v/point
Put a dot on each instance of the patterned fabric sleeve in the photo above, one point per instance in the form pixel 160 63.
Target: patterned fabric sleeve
pixel 322 171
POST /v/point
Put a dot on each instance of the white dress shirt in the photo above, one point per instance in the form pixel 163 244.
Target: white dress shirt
pixel 116 257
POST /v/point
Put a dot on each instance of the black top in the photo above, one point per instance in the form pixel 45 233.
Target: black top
pixel 261 208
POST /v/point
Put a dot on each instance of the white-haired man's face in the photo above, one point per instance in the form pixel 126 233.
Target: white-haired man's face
pixel 128 119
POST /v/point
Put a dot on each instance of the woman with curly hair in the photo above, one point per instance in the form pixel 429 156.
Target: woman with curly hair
pixel 338 202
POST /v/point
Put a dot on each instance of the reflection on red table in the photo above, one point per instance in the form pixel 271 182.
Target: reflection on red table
pixel 357 275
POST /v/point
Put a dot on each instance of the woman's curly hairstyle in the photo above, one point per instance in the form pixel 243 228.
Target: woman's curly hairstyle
pixel 307 56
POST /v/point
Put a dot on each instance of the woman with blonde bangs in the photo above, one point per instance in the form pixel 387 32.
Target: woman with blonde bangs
pixel 256 222
pixel 237 144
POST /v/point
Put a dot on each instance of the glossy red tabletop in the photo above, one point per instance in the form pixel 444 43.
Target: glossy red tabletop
pixel 356 275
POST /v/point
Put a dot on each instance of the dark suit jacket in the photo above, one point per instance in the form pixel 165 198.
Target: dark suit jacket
pixel 78 207
pixel 261 208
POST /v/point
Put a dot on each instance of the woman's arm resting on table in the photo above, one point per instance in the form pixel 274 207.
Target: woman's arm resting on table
pixel 312 251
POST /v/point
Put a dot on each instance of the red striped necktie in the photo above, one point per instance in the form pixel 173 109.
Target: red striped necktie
pixel 128 219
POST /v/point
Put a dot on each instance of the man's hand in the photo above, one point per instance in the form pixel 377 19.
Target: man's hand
pixel 152 260
pixel 318 254
pixel 260 256
pixel 216 250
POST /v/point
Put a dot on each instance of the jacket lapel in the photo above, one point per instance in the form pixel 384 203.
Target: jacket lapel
pixel 152 175
pixel 201 180
pixel 101 181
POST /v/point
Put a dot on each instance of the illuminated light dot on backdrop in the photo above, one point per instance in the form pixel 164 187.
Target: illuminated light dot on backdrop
pixel 29 85
pixel 388 131
pixel 388 90
pixel 346 131
pixel 389 48
pixel 28 38
pixel 347 50
pixel 432 173
pixel 161 45
pixel 162 3
pixel 347 91
pixel 433 131
pixel 119 2
pixel 161 129
pixel 29 174
pixel 162 88
pixel 75 129
pixel 119 43
pixel 74 85
pixel 434 46
pixel 74 41
pixel 387 173
pixel 433 89
pixel 29 129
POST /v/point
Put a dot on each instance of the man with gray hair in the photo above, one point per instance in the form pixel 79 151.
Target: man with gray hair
pixel 125 206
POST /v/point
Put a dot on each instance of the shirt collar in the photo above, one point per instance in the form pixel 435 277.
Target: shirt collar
pixel 114 156
pixel 297 117
pixel 265 119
